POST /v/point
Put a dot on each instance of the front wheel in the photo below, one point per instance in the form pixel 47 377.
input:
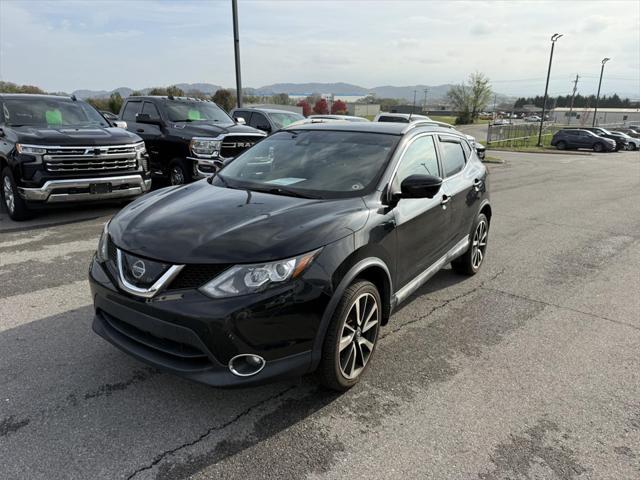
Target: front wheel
pixel 561 145
pixel 179 173
pixel 15 205
pixel 598 147
pixel 351 337
pixel 471 261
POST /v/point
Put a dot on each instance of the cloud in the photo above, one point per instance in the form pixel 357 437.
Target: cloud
pixel 481 29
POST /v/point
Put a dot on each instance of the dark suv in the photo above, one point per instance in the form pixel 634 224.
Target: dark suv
pixel 293 255
pixel 269 120
pixel 574 138
pixel 56 150
pixel 186 138
pixel 621 142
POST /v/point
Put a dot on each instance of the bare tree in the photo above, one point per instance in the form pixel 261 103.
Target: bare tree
pixel 470 98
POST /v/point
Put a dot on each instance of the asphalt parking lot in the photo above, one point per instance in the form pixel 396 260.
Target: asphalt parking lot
pixel 531 369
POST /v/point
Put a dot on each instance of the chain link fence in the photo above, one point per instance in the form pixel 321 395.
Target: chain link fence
pixel 526 134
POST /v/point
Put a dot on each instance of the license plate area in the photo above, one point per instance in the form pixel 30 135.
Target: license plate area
pixel 98 188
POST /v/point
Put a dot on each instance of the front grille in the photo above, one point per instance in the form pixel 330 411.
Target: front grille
pixel 90 159
pixel 233 145
pixel 194 276
pixel 176 354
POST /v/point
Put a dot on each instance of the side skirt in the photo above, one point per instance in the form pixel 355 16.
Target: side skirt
pixel 458 249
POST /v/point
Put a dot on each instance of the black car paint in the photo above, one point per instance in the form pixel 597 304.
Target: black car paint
pixel 167 140
pixel 29 174
pixel 378 237
pixel 576 138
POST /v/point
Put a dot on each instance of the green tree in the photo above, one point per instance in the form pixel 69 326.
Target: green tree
pixel 470 98
pixel 225 99
pixel 9 87
pixel 115 102
pixel 280 99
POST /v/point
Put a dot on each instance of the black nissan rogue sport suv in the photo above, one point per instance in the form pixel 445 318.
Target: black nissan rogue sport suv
pixel 293 255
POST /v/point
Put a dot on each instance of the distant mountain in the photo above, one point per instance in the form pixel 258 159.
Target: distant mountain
pixel 309 88
pixel 206 88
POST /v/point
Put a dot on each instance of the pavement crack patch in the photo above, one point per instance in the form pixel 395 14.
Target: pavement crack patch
pixel 107 389
pixel 11 425
pixel 209 431
pixel 575 310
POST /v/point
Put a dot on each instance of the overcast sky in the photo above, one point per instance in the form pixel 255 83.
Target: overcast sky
pixel 67 45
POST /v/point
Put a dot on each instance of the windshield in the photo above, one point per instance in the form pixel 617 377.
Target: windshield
pixel 181 111
pixel 320 163
pixel 285 119
pixel 50 112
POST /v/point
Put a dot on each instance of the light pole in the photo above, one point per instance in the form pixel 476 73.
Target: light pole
pixel 595 112
pixel 236 48
pixel 554 37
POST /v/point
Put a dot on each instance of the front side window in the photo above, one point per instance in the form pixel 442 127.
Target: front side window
pixel 151 110
pixel 258 121
pixel 131 109
pixel 282 120
pixel 321 163
pixel 184 111
pixel 419 159
pixel 452 157
pixel 50 112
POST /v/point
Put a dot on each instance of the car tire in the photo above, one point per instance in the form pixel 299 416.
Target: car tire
pixel 14 204
pixel 179 172
pixel 598 147
pixel 471 261
pixel 561 145
pixel 351 337
pixel 633 147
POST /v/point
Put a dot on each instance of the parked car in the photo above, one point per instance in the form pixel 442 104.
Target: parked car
pixel 629 131
pixel 575 138
pixel 268 120
pixel 621 142
pixel 632 142
pixel 346 118
pixel 501 121
pixel 56 149
pixel 532 118
pixel 479 148
pixel 292 257
pixel 399 117
pixel 186 138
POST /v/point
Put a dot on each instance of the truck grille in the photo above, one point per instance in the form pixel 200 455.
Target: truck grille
pixel 90 159
pixel 234 145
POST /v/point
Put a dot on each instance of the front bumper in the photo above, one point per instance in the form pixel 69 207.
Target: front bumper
pixel 194 336
pixel 78 190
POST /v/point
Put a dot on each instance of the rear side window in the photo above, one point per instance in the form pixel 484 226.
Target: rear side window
pixel 130 111
pixel 452 157
pixel 151 110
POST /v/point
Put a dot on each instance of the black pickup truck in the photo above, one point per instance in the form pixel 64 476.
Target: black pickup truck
pixel 186 138
pixel 56 149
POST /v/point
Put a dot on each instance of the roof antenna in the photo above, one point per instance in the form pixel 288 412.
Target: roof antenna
pixel 414 105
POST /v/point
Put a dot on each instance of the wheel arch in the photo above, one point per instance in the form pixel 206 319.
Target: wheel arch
pixel 486 210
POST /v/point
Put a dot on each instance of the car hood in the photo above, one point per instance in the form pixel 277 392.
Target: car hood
pixel 203 223
pixel 88 136
pixel 199 129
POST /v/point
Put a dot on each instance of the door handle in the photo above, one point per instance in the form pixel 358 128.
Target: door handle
pixel 445 200
pixel 140 130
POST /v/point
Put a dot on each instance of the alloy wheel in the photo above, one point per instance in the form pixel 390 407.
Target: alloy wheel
pixel 8 194
pixel 479 245
pixel 177 176
pixel 359 335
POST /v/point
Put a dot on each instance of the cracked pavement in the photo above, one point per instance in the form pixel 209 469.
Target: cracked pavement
pixel 529 370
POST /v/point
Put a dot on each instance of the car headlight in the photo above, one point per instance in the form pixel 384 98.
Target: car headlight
pixel 30 149
pixel 102 254
pixel 246 279
pixel 205 147
pixel 140 148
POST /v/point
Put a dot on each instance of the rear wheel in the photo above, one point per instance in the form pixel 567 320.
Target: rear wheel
pixel 561 145
pixel 633 146
pixel 351 337
pixel 13 202
pixel 598 147
pixel 471 261
pixel 179 172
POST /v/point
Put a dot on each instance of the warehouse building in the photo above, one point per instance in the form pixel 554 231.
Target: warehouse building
pixel 605 116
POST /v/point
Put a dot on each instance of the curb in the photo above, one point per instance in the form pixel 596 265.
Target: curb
pixel 549 152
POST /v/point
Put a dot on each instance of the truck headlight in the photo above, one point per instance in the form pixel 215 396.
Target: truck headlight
pixel 246 279
pixel 30 149
pixel 205 147
pixel 102 254
pixel 140 148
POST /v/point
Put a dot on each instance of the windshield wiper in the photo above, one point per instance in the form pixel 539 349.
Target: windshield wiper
pixel 282 191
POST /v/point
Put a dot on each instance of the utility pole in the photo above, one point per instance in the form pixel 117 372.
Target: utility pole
pixel 495 98
pixel 554 37
pixel 414 104
pixel 573 96
pixel 236 48
pixel 424 107
pixel 595 112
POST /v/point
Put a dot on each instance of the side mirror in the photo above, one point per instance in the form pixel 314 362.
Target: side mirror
pixel 145 118
pixel 120 124
pixel 420 186
pixel 241 121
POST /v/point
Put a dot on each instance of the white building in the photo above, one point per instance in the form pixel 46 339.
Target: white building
pixel 605 116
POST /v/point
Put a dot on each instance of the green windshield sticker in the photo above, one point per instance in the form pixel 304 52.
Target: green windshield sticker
pixel 194 115
pixel 54 117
